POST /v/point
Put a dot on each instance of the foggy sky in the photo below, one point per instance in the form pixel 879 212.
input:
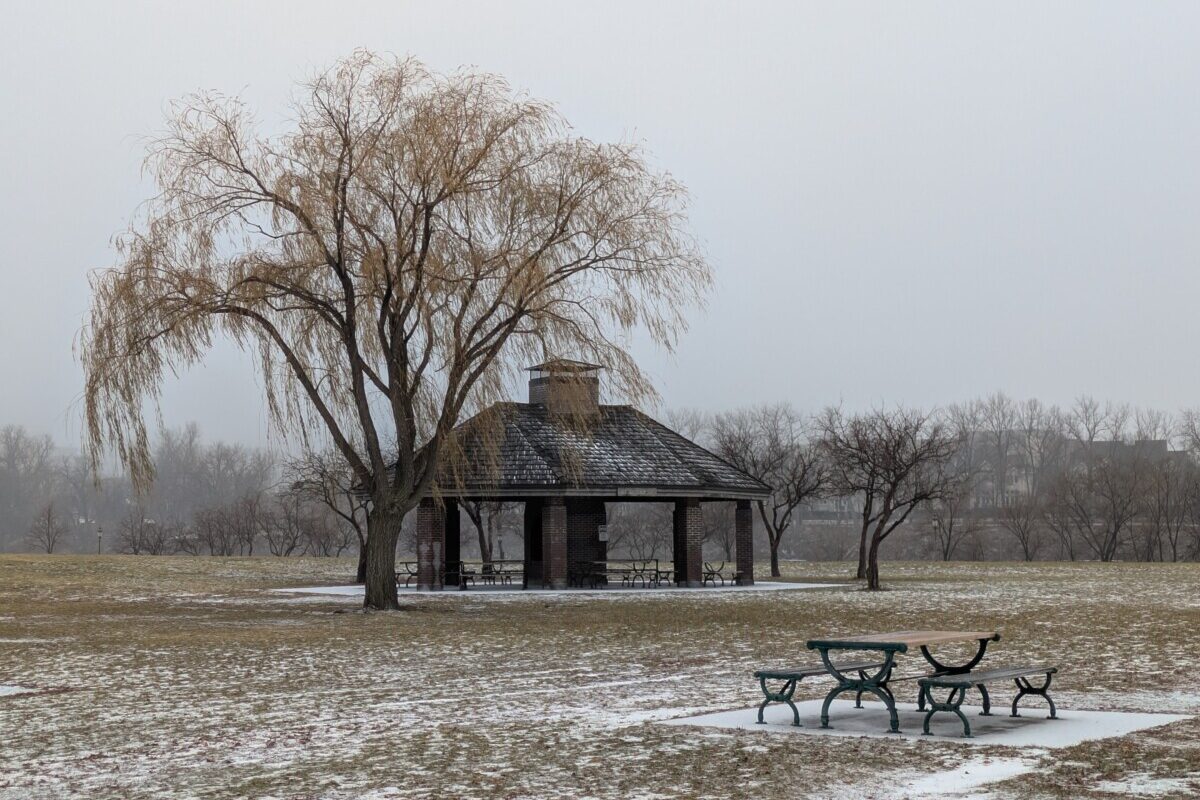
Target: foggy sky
pixel 914 203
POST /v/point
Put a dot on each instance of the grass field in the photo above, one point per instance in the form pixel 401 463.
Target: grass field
pixel 184 678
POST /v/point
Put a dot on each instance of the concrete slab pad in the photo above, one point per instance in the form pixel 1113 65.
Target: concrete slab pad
pixel 1031 729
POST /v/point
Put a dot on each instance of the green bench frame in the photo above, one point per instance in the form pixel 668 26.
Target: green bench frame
pixel 792 677
pixel 961 683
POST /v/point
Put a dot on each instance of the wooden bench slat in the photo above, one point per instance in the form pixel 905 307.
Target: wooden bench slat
pixel 968 679
pixel 809 670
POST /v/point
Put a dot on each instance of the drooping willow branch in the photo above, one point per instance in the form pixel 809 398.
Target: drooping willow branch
pixel 393 260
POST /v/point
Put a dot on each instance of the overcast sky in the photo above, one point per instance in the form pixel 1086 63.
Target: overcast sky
pixel 912 203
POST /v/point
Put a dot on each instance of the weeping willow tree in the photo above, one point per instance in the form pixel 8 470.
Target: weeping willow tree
pixel 391 259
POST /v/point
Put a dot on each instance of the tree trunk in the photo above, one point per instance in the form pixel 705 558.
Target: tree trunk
pixel 774 558
pixel 485 544
pixel 862 552
pixel 380 567
pixel 360 576
pixel 873 565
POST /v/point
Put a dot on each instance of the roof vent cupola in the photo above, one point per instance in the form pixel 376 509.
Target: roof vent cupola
pixel 564 386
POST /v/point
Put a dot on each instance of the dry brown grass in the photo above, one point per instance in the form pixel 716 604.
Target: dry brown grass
pixel 189 680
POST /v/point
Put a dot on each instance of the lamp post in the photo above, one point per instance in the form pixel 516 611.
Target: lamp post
pixel 99 537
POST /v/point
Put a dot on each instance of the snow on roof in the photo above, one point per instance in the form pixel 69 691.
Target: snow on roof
pixel 536 451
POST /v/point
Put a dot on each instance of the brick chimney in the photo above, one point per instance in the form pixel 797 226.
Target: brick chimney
pixel 564 386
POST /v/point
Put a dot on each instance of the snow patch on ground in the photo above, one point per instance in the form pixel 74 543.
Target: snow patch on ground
pixel 1031 729
pixel 7 691
pixel 961 784
pixel 1145 785
pixel 485 591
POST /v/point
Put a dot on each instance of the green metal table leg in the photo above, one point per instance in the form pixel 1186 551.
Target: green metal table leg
pixel 875 684
pixel 939 668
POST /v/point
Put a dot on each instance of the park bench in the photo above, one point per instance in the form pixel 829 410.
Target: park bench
pixel 585 575
pixel 502 572
pixel 960 683
pixel 629 574
pixel 407 572
pixel 663 576
pixel 645 573
pixel 460 574
pixel 714 573
pixel 793 676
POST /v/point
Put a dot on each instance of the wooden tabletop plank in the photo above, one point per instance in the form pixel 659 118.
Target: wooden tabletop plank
pixel 917 638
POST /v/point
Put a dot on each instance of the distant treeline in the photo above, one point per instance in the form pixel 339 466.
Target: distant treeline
pixel 993 478
pixel 212 499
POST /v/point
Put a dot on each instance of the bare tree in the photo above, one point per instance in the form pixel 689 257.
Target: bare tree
pixel 1040 450
pixel 716 518
pixel 1101 489
pixel 1172 489
pixel 646 543
pixel 691 423
pixel 1057 516
pixel 997 419
pixel 47 529
pixel 27 477
pixel 954 516
pixel 327 478
pixel 137 535
pixel 486 516
pixel 1022 518
pixel 640 530
pixel 1089 421
pixel 770 443
pixel 212 532
pixel 284 524
pixel 188 542
pixel 895 460
pixel 720 528
pixel 392 260
pixel 1097 501
pixel 325 535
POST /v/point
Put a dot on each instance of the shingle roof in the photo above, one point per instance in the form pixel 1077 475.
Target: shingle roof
pixel 622 451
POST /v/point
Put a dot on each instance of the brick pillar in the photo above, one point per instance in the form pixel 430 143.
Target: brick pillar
pixel 431 545
pixel 554 543
pixel 533 544
pixel 689 542
pixel 453 547
pixel 584 518
pixel 743 542
pixel 678 545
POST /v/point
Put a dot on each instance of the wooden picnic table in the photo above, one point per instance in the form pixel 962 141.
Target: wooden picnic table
pixel 889 645
pixel 629 572
pixel 502 570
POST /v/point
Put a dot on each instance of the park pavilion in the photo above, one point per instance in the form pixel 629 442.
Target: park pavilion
pixel 564 455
